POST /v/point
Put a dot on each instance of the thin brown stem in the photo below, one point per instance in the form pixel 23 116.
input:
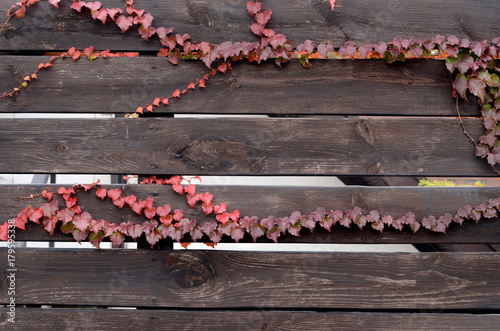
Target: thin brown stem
pixel 462 123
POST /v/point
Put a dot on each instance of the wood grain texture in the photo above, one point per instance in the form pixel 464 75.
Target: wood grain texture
pixel 281 201
pixel 48 28
pixel 154 319
pixel 328 87
pixel 385 146
pixel 189 279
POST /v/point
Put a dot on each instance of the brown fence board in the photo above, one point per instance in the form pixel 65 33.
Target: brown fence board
pixel 386 146
pixel 188 279
pixel 328 87
pixel 281 201
pixel 47 28
pixel 138 320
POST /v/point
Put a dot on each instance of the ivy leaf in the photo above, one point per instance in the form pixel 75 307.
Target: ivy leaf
pixel 21 12
pixel 254 7
pixel 50 209
pixel 256 231
pixel 101 15
pixel 308 222
pixel 215 236
pixel 114 194
pixel 479 47
pixel 186 225
pixel 66 215
pixel 80 235
pixel 49 224
pixel 263 17
pixel 82 222
pixel 208 226
pixel 381 47
pixel 124 22
pixel 135 231
pixel 460 85
pixel 36 215
pixel 268 222
pixel 101 193
pixel 477 87
pixel 274 234
pixel 93 6
pixel 247 222
pixel 117 238
pixel 96 238
pixel 153 237
pixel 257 29
pixel 196 233
pixel 77 5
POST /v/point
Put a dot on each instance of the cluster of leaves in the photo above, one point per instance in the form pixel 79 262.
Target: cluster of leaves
pixel 445 182
pixel 472 64
pixel 161 222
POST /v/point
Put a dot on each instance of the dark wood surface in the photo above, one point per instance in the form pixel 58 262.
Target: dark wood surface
pixel 281 201
pixel 202 279
pixel 384 146
pixel 139 320
pixel 48 28
pixel 332 87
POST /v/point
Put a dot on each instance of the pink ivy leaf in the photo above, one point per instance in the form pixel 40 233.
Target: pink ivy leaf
pixel 101 15
pixel 215 236
pixel 153 237
pixel 77 5
pixel 256 231
pixel 54 3
pixel 196 233
pixel 135 231
pixel 80 235
pixel 49 224
pixel 283 224
pixel 82 222
pixel 257 29
pixel 117 238
pixel 124 22
pixel 477 87
pixel 66 215
pixel 95 239
pixel 263 17
pixel 248 222
pixel 114 194
pixel 273 235
pixel 254 7
pixel 237 233
pixel 208 226
pixel 50 209
pixel 93 6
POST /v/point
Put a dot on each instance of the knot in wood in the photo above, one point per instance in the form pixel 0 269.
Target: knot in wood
pixel 62 148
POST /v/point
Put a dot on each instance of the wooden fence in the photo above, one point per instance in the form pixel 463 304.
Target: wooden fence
pixel 345 118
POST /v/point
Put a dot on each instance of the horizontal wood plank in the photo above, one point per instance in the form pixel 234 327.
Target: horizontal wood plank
pixel 385 146
pixel 49 28
pixel 329 87
pixel 138 320
pixel 189 279
pixel 281 201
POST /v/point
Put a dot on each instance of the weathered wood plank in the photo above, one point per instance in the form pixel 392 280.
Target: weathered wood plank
pixel 48 28
pixel 138 320
pixel 189 279
pixel 281 201
pixel 384 146
pixel 328 87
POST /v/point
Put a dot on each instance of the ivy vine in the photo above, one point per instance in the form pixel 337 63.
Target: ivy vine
pixel 472 64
